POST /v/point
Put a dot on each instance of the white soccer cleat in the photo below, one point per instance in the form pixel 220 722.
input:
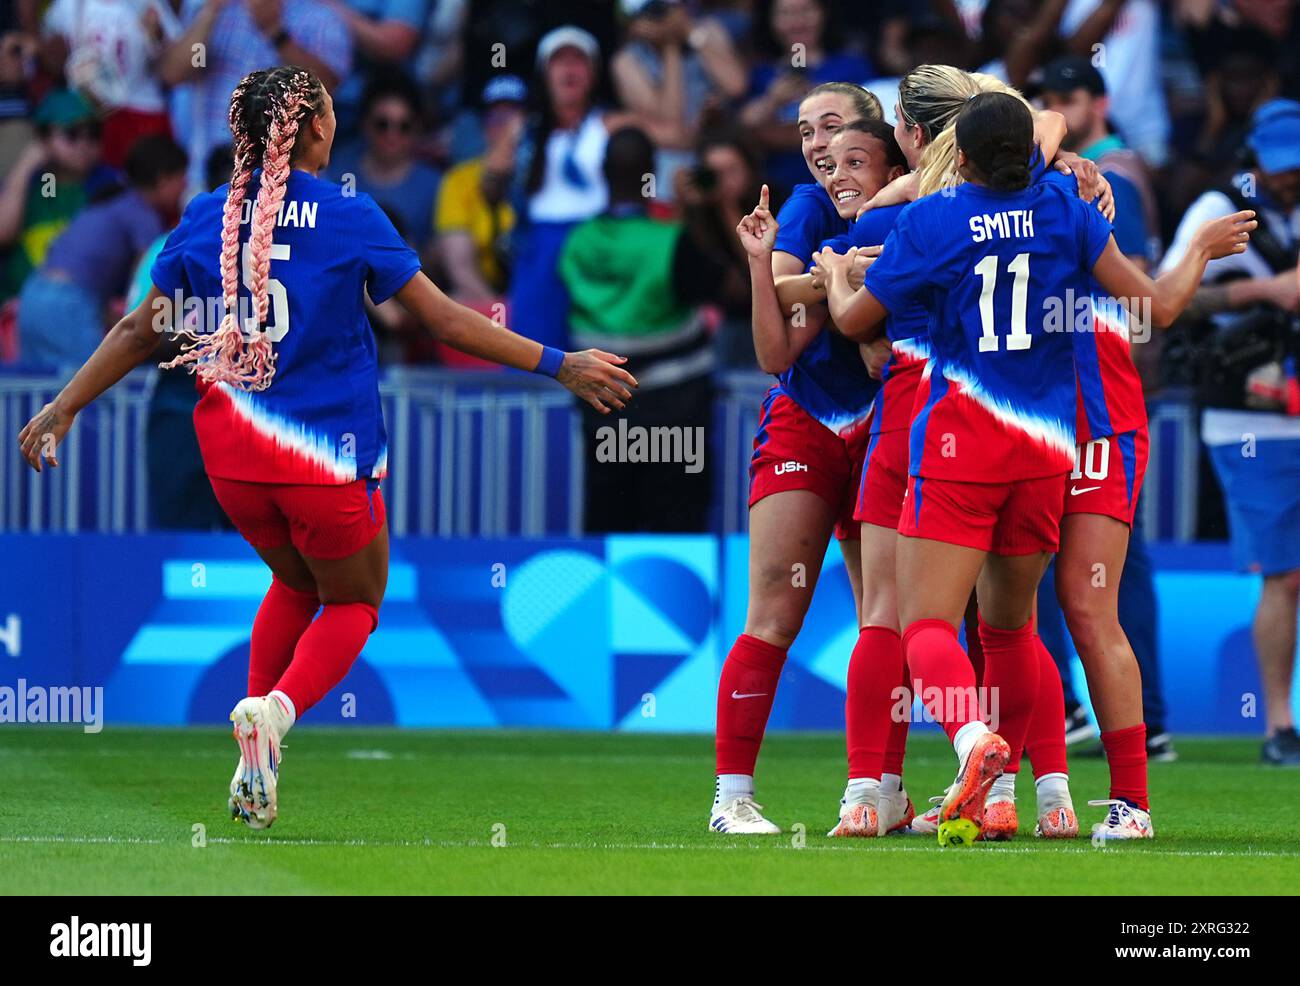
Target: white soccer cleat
pixel 895 812
pixel 741 816
pixel 859 821
pixel 253 788
pixel 1123 822
pixel 928 823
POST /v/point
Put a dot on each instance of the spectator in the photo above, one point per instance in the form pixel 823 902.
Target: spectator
pixel 180 496
pixel 107 50
pixel 800 57
pixel 1254 443
pixel 1128 34
pixel 472 231
pixel 51 182
pixel 1075 89
pixel 557 180
pixel 236 37
pixel 16 131
pixel 635 284
pixel 385 165
pixel 385 35
pixel 1270 26
pixel 673 70
pixel 62 311
pixel 716 195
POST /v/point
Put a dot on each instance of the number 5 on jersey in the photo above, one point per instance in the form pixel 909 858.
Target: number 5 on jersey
pixel 277 311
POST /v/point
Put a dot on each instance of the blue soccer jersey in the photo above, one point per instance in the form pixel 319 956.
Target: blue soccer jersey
pixel 908 330
pixel 319 421
pixel 828 379
pixel 997 402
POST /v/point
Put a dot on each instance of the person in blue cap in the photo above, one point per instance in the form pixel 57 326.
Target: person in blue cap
pixel 1252 428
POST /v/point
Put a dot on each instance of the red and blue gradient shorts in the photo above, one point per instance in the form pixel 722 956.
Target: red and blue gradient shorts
pixel 1108 475
pixel 320 521
pixel 1017 518
pixel 795 451
pixel 884 478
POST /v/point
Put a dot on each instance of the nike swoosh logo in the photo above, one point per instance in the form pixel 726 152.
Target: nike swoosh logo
pixel 1075 491
pixel 735 694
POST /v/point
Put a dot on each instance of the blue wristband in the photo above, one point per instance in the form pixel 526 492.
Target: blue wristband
pixel 551 361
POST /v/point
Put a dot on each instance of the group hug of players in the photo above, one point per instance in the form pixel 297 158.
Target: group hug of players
pixel 947 411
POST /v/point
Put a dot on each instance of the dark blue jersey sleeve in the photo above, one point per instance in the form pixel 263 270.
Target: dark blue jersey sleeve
pixel 389 261
pixel 168 270
pixel 805 221
pixel 1130 223
pixel 903 270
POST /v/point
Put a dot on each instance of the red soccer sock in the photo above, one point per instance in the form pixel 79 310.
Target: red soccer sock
pixel 896 745
pixel 1045 740
pixel 875 668
pixel 975 648
pixel 326 652
pixel 1010 678
pixel 746 690
pixel 941 673
pixel 1126 751
pixel 283 617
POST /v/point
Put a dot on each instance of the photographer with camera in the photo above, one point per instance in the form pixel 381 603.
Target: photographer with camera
pixel 1245 314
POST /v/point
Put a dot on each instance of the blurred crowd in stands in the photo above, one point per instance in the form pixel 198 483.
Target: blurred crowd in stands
pixel 481 127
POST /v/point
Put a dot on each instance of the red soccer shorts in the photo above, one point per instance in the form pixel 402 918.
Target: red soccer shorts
pixel 320 521
pixel 1016 518
pixel 795 451
pixel 884 478
pixel 1108 475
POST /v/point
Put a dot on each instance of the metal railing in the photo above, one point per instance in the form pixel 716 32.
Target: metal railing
pixel 471 454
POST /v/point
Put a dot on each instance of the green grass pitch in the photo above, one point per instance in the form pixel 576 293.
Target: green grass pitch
pixel 390 811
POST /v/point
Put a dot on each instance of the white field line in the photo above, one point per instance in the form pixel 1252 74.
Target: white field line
pixel 892 845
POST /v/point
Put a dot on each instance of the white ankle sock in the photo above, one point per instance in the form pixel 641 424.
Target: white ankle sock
pixel 862 791
pixel 890 784
pixel 731 786
pixel 1053 792
pixel 966 737
pixel 1003 789
pixel 282 711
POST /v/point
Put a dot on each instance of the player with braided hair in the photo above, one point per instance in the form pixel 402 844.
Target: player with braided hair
pixel 289 419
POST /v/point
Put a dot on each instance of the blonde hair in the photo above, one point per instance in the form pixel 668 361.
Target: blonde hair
pixel 930 97
pixel 266 110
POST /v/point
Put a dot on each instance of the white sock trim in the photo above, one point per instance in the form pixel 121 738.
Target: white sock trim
pixel 283 708
pixel 728 787
pixel 965 739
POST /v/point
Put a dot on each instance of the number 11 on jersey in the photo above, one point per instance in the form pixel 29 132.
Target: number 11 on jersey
pixel 987 269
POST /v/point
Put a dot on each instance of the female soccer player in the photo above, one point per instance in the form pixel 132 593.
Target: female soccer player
pixel 807 455
pixel 994 437
pixel 930 97
pixel 289 420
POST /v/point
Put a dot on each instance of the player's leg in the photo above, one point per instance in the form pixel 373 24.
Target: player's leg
pixel 1139 615
pixel 878 701
pixel 288 608
pixel 935 580
pixel 341 538
pixel 1088 574
pixel 875 674
pixel 788 535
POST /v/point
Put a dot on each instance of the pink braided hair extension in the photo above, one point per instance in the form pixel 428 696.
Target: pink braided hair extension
pixel 226 355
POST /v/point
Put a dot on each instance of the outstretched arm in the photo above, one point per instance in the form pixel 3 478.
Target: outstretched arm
pixel 1165 297
pixel 128 344
pixel 595 376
